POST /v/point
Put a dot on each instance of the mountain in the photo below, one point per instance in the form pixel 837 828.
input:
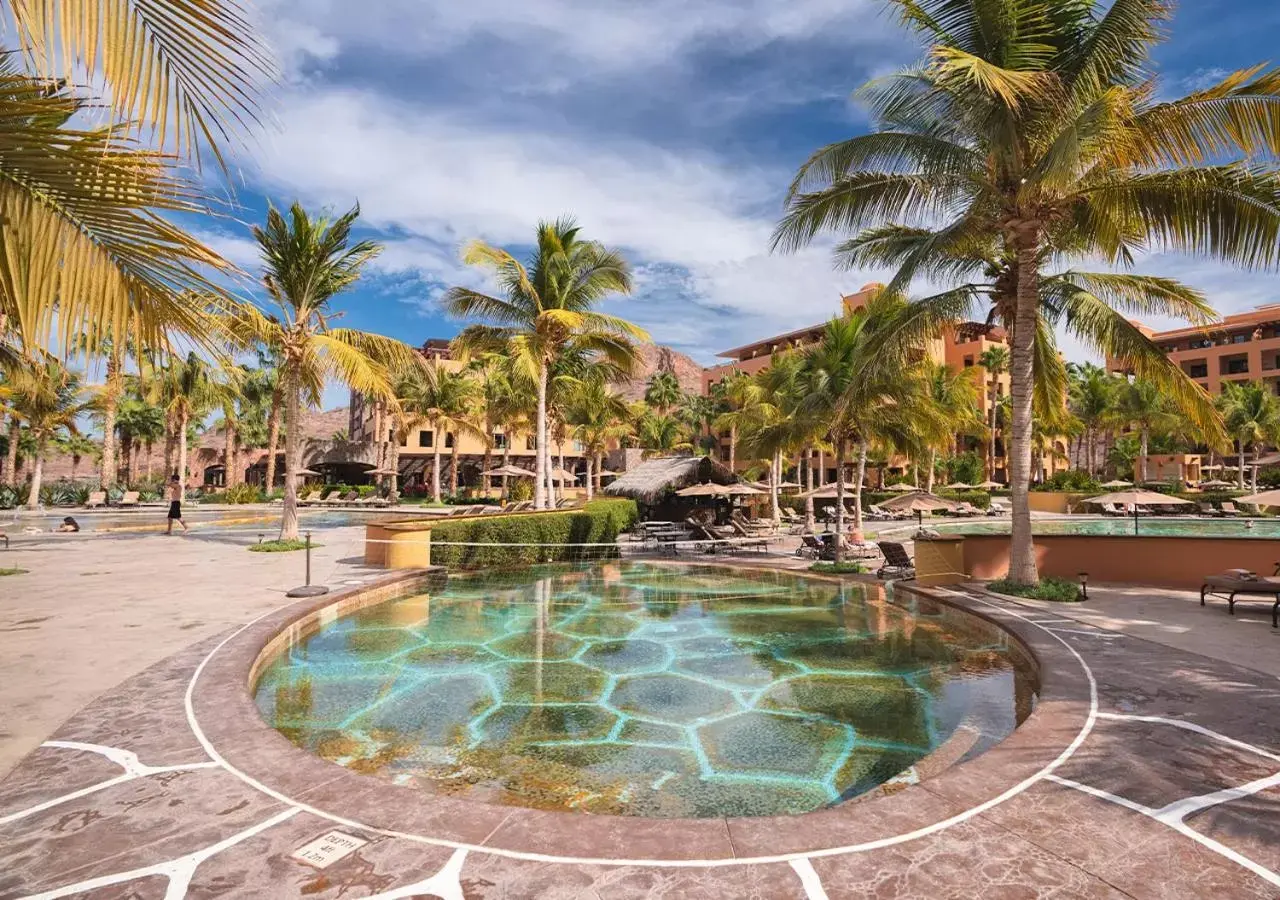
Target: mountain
pixel 652 359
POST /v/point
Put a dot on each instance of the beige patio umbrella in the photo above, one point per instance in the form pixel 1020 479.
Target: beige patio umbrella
pixel 828 491
pixel 604 473
pixel 701 490
pixel 306 472
pixel 959 486
pixel 739 490
pixel 383 472
pixel 1266 498
pixel 902 488
pixel 1117 483
pixel 558 474
pixel 510 471
pixel 1137 498
pixel 989 485
pixel 918 502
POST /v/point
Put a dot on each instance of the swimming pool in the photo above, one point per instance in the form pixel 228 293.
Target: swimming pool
pixel 1151 526
pixel 648 689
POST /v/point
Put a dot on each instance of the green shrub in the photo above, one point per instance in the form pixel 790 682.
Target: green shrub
pixel 844 568
pixel 242 493
pixel 64 493
pixel 1056 590
pixel 1269 478
pixel 519 489
pixel 4 572
pixel 8 497
pixel 280 546
pixel 546 536
pixel 1071 481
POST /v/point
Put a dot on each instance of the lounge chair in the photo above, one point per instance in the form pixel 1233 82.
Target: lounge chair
pixel 966 509
pixel 896 560
pixel 810 547
pixel 749 527
pixel 350 498
pixel 522 506
pixel 130 498
pixel 96 499
pixel 750 537
pixel 310 498
pixel 1229 509
pixel 1208 509
pixel 1110 509
pixel 1236 582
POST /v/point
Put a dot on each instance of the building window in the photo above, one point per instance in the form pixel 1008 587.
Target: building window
pixel 579 447
pixel 1237 366
pixel 448 440
pixel 968 362
pixel 1239 338
pixel 529 443
pixel 1199 370
pixel 424 438
pixel 499 440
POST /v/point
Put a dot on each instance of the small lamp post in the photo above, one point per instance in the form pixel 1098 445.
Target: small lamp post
pixel 308 589
pixel 1084 585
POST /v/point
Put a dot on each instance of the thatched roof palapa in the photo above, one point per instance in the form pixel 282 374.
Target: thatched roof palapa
pixel 650 480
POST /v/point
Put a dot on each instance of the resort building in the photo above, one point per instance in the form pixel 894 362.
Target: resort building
pixel 417 449
pixel 1242 347
pixel 959 348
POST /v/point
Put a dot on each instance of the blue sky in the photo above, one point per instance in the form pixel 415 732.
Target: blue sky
pixel 669 128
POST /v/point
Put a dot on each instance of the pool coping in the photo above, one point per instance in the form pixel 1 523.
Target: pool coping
pixel 222 712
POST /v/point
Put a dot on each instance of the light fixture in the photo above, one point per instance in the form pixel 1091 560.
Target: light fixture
pixel 1084 585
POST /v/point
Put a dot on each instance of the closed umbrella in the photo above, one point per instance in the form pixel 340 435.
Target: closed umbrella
pixel 1138 498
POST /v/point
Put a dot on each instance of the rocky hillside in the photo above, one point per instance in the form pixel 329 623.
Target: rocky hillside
pixel 655 359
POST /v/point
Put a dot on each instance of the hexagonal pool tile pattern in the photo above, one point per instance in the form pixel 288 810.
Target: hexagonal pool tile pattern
pixel 644 689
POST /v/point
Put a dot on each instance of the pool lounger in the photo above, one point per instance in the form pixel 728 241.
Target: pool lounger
pixel 1229 586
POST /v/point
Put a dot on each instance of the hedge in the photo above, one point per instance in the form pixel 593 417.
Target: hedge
pixel 553 535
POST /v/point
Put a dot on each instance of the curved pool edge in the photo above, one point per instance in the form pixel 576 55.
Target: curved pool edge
pixel 222 709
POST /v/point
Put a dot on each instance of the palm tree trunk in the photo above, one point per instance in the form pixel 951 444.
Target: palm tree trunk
pixel 9 466
pixel 110 405
pixel 775 473
pixel 453 466
pixel 485 481
pixel 733 448
pixel 37 475
pixel 170 448
pixel 182 446
pixel 1145 439
pixel 229 456
pixel 436 440
pixel 1017 451
pixel 1240 470
pixel 590 492
pixel 839 538
pixel 560 464
pixel 126 456
pixel 857 486
pixel 151 446
pixel 599 467
pixel 933 462
pixel 540 462
pixel 506 461
pixel 810 523
pixel 292 453
pixel 1253 474
pixel 273 437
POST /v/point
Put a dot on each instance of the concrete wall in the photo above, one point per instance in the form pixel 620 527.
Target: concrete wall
pixel 1173 562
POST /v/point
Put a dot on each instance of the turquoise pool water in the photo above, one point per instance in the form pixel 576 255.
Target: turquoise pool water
pixel 647 689
pixel 1147 525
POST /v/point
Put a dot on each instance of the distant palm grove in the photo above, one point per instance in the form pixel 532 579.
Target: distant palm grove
pixel 1018 176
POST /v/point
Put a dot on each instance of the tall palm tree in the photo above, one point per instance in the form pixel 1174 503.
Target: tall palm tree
pixel 661 434
pixel 1032 134
pixel 307 261
pixel 953 396
pixel 663 392
pixel 597 415
pixel 444 400
pixel 1140 404
pixel 1252 415
pixel 1092 397
pixel 187 389
pixel 49 402
pixel 994 362
pixel 545 308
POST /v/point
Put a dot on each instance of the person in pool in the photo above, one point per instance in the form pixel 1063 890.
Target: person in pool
pixel 68 526
pixel 175 503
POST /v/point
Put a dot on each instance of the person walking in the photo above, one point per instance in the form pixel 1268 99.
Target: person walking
pixel 175 504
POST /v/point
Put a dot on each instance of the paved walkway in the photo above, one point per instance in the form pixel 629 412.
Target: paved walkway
pixel 1170 789
pixel 92 611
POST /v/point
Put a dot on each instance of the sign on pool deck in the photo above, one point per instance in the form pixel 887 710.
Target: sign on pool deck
pixel 327 849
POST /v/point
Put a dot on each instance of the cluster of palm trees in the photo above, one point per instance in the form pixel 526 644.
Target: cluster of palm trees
pixel 1030 139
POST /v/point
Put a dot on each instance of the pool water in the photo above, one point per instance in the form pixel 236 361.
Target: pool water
pixel 1155 526
pixel 648 689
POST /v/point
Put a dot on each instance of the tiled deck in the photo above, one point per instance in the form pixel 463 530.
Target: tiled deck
pixel 1148 771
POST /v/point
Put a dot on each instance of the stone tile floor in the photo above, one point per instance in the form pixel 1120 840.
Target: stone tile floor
pixel 1175 792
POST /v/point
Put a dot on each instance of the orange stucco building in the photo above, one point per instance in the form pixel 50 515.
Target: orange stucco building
pixel 1242 347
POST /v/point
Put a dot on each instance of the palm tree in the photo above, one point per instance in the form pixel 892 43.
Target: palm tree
pixel 186 388
pixel 1092 398
pixel 306 262
pixel 78 446
pixel 1142 405
pixel 664 392
pixel 953 395
pixel 1031 138
pixel 597 416
pixel 442 399
pixel 1252 416
pixel 546 308
pixel 661 434
pixel 49 401
pixel 994 362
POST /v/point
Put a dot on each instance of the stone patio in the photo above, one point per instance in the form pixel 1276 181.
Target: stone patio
pixel 1151 768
